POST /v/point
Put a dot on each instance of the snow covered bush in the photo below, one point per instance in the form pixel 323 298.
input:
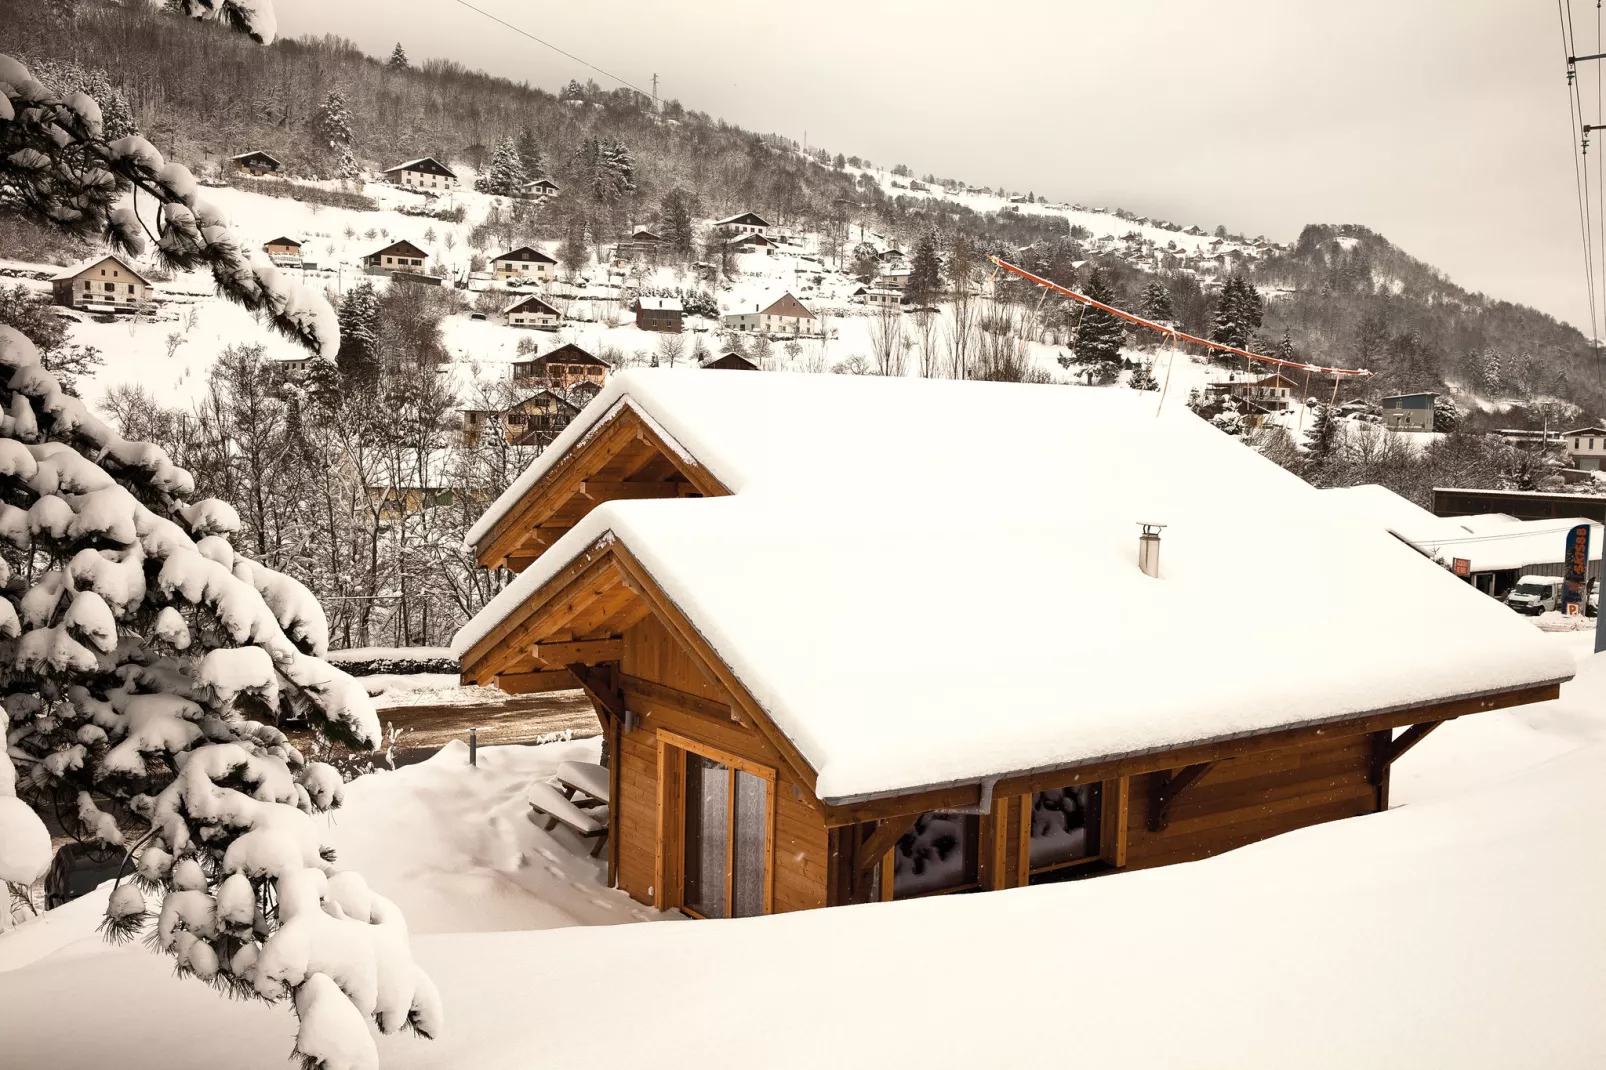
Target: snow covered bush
pixel 143 667
pixel 59 166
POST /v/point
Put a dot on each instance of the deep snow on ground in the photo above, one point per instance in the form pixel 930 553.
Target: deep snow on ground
pixel 1461 928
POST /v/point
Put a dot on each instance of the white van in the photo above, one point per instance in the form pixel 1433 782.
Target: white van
pixel 1534 595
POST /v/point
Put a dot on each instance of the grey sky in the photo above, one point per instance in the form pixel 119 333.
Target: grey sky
pixel 1441 124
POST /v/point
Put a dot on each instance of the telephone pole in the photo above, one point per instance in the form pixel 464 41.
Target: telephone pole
pixel 655 91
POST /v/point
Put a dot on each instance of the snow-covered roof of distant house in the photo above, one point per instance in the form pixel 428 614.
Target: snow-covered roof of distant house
pixel 400 248
pixel 282 240
pixel 746 219
pixel 1413 394
pixel 749 239
pixel 545 183
pixel 879 616
pixel 1591 430
pixel 885 293
pixel 87 265
pixel 660 304
pixel 425 164
pixel 533 304
pixel 257 152
pixel 894 272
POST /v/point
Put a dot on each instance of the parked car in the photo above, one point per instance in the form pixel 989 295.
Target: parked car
pixel 80 868
pixel 1534 595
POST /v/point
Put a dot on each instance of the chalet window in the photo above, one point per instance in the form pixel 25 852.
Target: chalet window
pixel 111 287
pixel 1065 826
pixel 940 854
pixel 725 837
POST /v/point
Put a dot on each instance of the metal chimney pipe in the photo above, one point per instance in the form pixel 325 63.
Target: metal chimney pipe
pixel 1149 549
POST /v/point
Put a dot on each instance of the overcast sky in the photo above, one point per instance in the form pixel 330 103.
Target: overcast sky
pixel 1442 124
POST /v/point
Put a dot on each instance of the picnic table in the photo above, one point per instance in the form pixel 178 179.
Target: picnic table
pixel 587 778
pixel 556 808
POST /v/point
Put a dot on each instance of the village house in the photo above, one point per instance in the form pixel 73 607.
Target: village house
pixel 541 188
pixel 824 690
pixel 425 174
pixel 282 248
pixel 1586 448
pixel 563 369
pixel 659 314
pixel 256 162
pixel 524 263
pixel 785 315
pixel 730 362
pixel 751 243
pixel 883 298
pixel 581 393
pixel 538 419
pixel 398 256
pixel 1274 393
pixel 742 223
pixel 536 313
pixel 893 278
pixel 107 285
pixel 1409 412
pixel 643 244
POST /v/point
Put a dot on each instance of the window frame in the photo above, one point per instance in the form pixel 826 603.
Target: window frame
pixel 669 878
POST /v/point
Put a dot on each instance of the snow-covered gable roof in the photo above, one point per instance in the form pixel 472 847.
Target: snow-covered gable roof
pixel 400 248
pixel 1591 430
pixel 256 154
pixel 913 607
pixel 745 219
pixel 533 304
pixel 425 165
pixel 660 304
pixel 749 239
pixel 90 265
pixel 788 306
pixel 281 240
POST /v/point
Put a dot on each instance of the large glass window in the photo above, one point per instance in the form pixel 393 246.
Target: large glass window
pixel 1065 825
pixel 726 839
pixel 939 854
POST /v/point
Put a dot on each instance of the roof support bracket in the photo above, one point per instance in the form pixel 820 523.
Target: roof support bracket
pixel 1398 745
pixel 1167 791
pixel 887 832
pixel 601 685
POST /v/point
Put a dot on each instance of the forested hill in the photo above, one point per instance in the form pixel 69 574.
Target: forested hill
pixel 1359 300
pixel 1345 295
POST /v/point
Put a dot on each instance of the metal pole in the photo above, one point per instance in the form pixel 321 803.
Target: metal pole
pixel 473 746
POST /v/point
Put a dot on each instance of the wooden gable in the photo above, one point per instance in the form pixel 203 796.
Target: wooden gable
pixel 534 305
pixel 401 248
pixel 525 253
pixel 788 306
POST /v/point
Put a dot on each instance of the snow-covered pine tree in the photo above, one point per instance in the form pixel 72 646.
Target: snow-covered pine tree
pixel 1446 417
pixel 1238 313
pixel 1321 439
pixel 58 167
pixel 677 211
pixel 1098 334
pixel 1157 302
pixel 67 78
pixel 1142 377
pixel 398 58
pixel 925 271
pixel 143 663
pixel 252 17
pixel 332 123
pixel 1491 372
pixel 530 156
pixel 506 176
pixel 573 91
pixel 1229 419
pixel 1285 347
pixel 358 359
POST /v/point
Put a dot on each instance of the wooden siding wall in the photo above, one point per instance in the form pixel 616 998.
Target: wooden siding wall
pixel 1241 800
pixel 652 654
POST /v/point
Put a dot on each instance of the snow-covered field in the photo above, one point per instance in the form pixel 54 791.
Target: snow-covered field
pixel 1462 928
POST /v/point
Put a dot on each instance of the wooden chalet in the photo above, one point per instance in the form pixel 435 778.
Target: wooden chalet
pixel 104 285
pixel 397 256
pixel 643 245
pixel 524 263
pixel 841 682
pixel 659 314
pixel 256 162
pixel 427 173
pixel 541 188
pixel 750 243
pixel 565 368
pixel 282 246
pixel 742 223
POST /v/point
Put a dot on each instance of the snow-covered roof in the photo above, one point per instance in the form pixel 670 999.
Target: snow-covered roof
pixel 424 164
pixel 660 304
pixel 74 272
pixel 914 607
pixel 751 219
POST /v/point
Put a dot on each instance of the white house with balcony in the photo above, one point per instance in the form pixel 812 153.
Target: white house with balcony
pixel 1586 449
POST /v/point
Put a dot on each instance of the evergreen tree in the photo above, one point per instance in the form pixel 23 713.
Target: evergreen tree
pixel 1322 437
pixel 1143 378
pixel 66 78
pixel 1157 302
pixel 1491 371
pixel 506 176
pixel 573 91
pixel 1099 335
pixel 398 58
pixel 606 169
pixel 1446 417
pixel 1285 347
pixel 1238 313
pixel 332 124
pixel 145 664
pixel 925 271
pixel 677 210
pixel 530 156
pixel 358 359
pixel 1229 419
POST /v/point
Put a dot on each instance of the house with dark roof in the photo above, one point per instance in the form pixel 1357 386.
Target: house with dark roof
pixel 730 362
pixel 524 262
pixel 541 188
pixel 256 162
pixel 426 173
pixel 534 312
pixel 562 369
pixel 750 243
pixel 743 223
pixel 785 315
pixel 282 246
pixel 397 256
pixel 104 285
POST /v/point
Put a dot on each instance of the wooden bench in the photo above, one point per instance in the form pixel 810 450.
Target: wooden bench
pixel 587 778
pixel 556 808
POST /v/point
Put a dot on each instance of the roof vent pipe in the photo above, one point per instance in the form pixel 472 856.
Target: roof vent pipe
pixel 1149 549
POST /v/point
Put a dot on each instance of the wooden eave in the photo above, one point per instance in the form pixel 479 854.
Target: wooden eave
pixel 624 456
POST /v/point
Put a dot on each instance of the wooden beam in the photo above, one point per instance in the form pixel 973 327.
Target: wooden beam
pixel 1408 739
pixel 530 683
pixel 950 796
pixel 579 652
pixel 601 685
pixel 886 833
pixel 601 490
pixel 654 692
pixel 1168 790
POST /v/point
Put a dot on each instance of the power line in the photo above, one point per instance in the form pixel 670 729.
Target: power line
pixel 1580 174
pixel 548 44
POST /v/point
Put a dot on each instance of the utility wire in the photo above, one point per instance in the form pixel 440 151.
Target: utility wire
pixel 1580 176
pixel 553 47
